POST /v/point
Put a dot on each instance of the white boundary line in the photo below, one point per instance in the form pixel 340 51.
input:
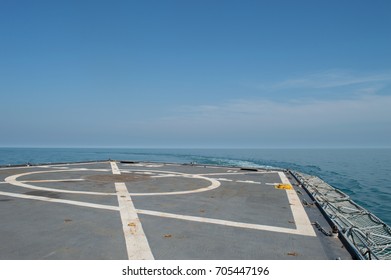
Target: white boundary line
pixel 12 180
pixel 302 222
pixel 223 222
pixel 214 183
pixel 248 182
pixel 236 173
pixel 136 242
pixel 63 201
pixel 114 168
pixel 224 179
pixel 52 181
pixel 70 164
pixel 51 165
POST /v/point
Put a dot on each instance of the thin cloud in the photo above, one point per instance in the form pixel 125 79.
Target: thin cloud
pixel 365 108
pixel 329 79
pixel 363 121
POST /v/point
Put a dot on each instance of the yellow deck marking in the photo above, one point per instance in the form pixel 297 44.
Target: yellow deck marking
pixel 284 187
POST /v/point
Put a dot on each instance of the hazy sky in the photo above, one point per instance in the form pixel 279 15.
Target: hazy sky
pixel 195 73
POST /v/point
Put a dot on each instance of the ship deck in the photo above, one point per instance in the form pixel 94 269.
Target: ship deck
pixel 141 210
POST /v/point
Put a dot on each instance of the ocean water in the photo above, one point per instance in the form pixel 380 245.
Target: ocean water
pixel 363 174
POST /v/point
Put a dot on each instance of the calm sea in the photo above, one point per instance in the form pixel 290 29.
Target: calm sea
pixel 363 174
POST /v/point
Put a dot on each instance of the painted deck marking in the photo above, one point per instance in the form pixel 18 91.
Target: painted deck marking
pixel 57 167
pixel 224 179
pixel 302 222
pixel 136 242
pixel 224 222
pixel 63 201
pixel 165 175
pixel 248 182
pixel 234 173
pixel 114 168
pixel 52 181
pixel 162 174
pixel 12 180
pixel 145 165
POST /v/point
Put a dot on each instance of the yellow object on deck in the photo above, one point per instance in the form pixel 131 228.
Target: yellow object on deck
pixel 284 187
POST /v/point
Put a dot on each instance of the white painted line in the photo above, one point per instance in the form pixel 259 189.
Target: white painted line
pixel 134 164
pixel 77 169
pixel 154 165
pixel 214 183
pixel 248 182
pixel 223 222
pixel 63 201
pixel 165 175
pixel 12 180
pixel 158 172
pixel 47 166
pixel 302 221
pixel 283 178
pixel 222 173
pixel 57 167
pixel 272 184
pixel 52 181
pixel 74 163
pixel 235 173
pixel 224 179
pixel 136 242
pixel 65 165
pixel 89 169
pixel 144 165
pixel 114 168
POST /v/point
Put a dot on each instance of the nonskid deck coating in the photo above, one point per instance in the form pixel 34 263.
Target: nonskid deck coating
pixel 115 210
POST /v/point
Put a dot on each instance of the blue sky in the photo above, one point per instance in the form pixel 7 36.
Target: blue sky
pixel 199 73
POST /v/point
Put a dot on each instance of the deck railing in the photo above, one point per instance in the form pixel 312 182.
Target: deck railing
pixel 367 235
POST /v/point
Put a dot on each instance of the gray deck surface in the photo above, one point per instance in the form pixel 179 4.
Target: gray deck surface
pixel 72 211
